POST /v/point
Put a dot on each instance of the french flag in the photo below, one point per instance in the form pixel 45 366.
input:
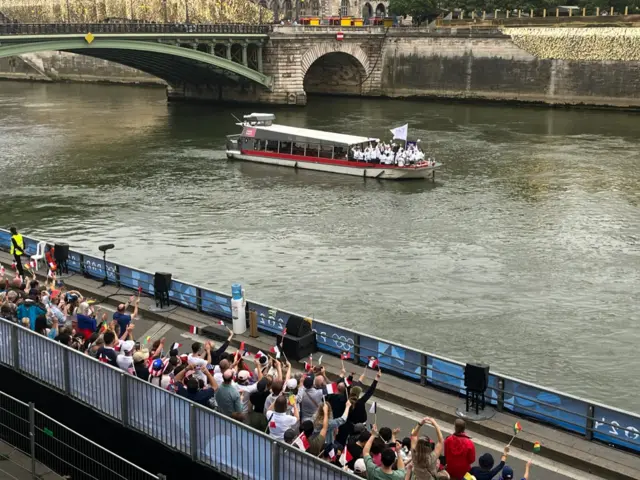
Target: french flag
pixel 331 388
pixel 373 363
pixel 175 346
pixel 301 442
pixel 346 457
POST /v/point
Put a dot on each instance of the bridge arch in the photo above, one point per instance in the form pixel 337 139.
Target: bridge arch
pixel 335 69
pixel 174 64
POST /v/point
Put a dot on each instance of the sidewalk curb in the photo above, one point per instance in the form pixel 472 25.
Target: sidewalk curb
pixel 382 391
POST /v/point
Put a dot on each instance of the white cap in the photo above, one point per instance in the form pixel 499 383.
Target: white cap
pixel 127 346
pixel 292 384
pixel 359 466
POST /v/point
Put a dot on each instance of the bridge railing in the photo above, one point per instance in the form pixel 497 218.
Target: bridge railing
pixel 134 28
pixel 204 435
pixel 595 421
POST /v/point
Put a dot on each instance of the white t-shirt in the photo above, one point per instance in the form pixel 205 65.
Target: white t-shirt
pixel 280 423
pixel 197 362
pixel 124 362
pixel 248 390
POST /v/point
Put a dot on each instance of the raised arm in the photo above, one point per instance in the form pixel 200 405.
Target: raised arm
pixel 367 395
pixel 526 470
pixel 367 446
pixel 325 420
pixel 212 381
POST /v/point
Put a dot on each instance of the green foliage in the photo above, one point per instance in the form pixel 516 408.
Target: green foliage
pixel 420 10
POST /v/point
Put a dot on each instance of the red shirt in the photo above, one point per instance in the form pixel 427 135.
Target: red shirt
pixel 460 453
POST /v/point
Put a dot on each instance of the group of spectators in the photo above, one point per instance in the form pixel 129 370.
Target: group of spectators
pixel 304 409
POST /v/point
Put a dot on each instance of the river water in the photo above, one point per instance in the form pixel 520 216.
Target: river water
pixel 524 254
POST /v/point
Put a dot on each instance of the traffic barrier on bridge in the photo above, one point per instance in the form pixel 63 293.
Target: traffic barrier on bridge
pixel 133 28
pixel 593 420
pixel 204 435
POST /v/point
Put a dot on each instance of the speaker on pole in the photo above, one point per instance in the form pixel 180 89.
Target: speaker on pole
pixel 476 381
pixel 61 254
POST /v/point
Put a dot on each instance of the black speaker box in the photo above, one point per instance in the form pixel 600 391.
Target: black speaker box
pixel 297 348
pixel 61 252
pixel 476 377
pixel 298 326
pixel 161 282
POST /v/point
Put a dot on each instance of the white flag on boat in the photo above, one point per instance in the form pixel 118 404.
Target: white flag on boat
pixel 400 132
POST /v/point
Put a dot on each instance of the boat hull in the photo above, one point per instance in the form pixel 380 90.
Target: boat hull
pixel 369 171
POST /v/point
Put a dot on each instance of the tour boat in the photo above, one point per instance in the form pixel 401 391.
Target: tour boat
pixel 263 141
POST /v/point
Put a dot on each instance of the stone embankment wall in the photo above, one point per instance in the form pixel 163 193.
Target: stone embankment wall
pixel 596 66
pixel 69 67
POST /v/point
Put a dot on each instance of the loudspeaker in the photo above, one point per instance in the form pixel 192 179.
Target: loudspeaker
pixel 476 377
pixel 299 347
pixel 61 252
pixel 161 282
pixel 298 326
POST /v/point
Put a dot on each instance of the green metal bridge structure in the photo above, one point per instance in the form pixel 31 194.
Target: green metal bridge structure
pixel 220 54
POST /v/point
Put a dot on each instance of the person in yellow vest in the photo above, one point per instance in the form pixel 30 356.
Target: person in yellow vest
pixel 17 249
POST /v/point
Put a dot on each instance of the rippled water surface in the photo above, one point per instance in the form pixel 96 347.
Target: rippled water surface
pixel 524 254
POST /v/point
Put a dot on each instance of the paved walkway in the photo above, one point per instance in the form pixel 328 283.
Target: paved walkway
pixel 406 401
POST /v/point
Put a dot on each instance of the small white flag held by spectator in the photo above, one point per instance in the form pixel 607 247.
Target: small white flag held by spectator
pixel 320 360
pixel 374 408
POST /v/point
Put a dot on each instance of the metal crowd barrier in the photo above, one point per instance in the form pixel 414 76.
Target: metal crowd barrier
pixel 57 447
pixel 202 434
pixel 595 421
pixel 83 28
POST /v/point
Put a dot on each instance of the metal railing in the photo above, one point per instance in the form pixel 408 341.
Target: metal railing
pixel 595 421
pixel 202 434
pixel 60 449
pixel 133 28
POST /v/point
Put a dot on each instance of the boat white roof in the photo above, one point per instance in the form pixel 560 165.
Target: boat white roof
pixel 316 134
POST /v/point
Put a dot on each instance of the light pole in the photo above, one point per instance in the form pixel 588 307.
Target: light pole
pixel 186 11
pixel 68 13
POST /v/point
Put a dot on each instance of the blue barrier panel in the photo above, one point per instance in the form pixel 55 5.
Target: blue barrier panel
pixel 94 267
pixel 399 360
pixel 159 414
pixel 491 395
pixel 74 261
pixel 216 304
pixel 5 239
pixel 6 335
pixel 30 245
pixel 269 319
pixel 184 294
pixel 332 339
pixel 231 448
pixel 616 428
pixel 553 408
pixel 135 278
pixel 444 374
pixel 103 395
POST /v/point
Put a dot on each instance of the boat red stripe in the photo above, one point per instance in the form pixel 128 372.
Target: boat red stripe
pixel 326 161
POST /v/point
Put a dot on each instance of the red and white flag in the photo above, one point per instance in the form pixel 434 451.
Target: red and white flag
pixel 221 322
pixel 193 330
pixel 301 442
pixel 258 355
pixel 331 388
pixel 373 363
pixel 346 457
pixel 347 383
pixel 275 350
pixel 175 346
pixel 332 454
pixel 345 356
pixel 307 367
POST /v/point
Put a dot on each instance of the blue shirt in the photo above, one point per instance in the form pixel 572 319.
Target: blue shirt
pixel 123 320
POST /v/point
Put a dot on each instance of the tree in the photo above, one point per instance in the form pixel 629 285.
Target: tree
pixel 419 10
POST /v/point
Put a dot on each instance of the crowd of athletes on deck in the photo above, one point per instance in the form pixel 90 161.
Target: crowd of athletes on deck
pixel 330 420
pixel 390 154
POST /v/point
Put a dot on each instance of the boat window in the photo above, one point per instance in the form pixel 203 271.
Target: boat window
pixel 326 151
pixel 340 153
pixel 272 146
pixel 285 147
pixel 298 148
pixel 313 150
pixel 260 145
pixel 250 144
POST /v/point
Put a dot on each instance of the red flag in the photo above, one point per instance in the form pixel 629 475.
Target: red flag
pixel 346 457
pixel 331 388
pixel 241 347
pixel 221 322
pixel 275 350
pixel 301 442
pixel 373 363
pixel 258 355
pixel 193 329
pixel 139 290
pixel 307 367
pixel 345 356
